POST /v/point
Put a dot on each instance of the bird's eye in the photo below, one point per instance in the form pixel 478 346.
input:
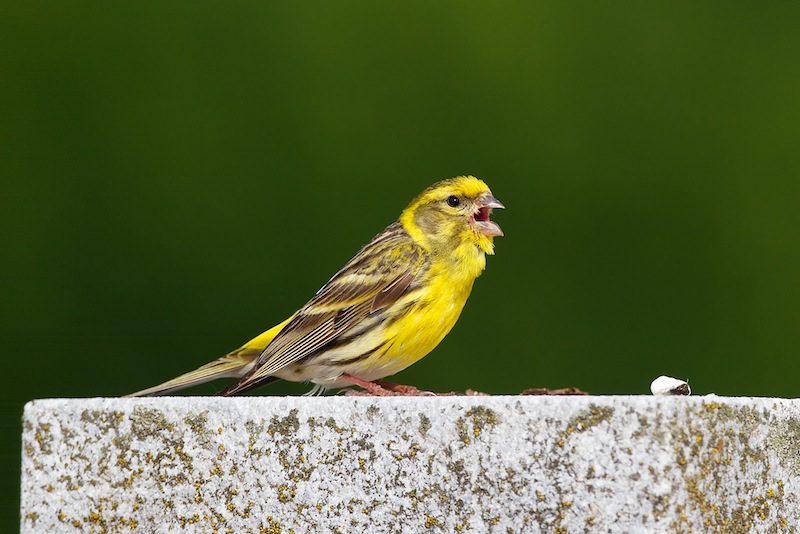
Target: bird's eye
pixel 453 201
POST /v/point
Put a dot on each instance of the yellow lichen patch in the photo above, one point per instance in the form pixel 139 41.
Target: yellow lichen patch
pixel 591 418
pixel 286 493
pixel 583 422
pixel 432 522
pixel 480 418
pixel 713 470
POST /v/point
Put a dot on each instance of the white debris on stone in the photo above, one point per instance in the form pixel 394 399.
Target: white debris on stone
pixel 665 386
pixel 469 464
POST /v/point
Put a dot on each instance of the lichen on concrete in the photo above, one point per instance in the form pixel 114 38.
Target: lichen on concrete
pixel 450 464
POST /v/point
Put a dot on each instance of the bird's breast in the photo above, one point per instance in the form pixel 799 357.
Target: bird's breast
pixel 427 318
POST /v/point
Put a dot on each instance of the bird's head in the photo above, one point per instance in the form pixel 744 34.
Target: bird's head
pixel 452 213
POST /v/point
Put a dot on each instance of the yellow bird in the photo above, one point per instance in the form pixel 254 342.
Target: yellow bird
pixel 385 309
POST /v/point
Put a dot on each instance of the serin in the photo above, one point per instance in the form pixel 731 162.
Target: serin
pixel 389 306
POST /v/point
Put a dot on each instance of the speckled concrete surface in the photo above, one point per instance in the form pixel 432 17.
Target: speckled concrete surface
pixel 451 464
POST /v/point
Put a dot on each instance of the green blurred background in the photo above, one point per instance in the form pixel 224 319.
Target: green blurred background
pixel 177 178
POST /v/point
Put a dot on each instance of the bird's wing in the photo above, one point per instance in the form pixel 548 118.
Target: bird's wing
pixel 375 278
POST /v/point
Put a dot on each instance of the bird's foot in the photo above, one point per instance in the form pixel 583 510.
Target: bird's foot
pixel 401 389
pixel 379 388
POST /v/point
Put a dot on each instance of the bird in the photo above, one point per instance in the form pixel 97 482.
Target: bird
pixel 388 307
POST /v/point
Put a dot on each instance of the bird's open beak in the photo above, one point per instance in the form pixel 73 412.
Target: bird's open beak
pixel 485 204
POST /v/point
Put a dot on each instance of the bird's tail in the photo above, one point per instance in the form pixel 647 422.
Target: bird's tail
pixel 233 365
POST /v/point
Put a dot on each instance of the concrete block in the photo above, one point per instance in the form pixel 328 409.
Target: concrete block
pixel 411 464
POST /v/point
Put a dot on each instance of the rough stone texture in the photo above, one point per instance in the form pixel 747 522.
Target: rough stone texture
pixel 455 464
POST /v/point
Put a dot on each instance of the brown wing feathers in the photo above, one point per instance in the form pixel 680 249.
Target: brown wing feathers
pixel 359 289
